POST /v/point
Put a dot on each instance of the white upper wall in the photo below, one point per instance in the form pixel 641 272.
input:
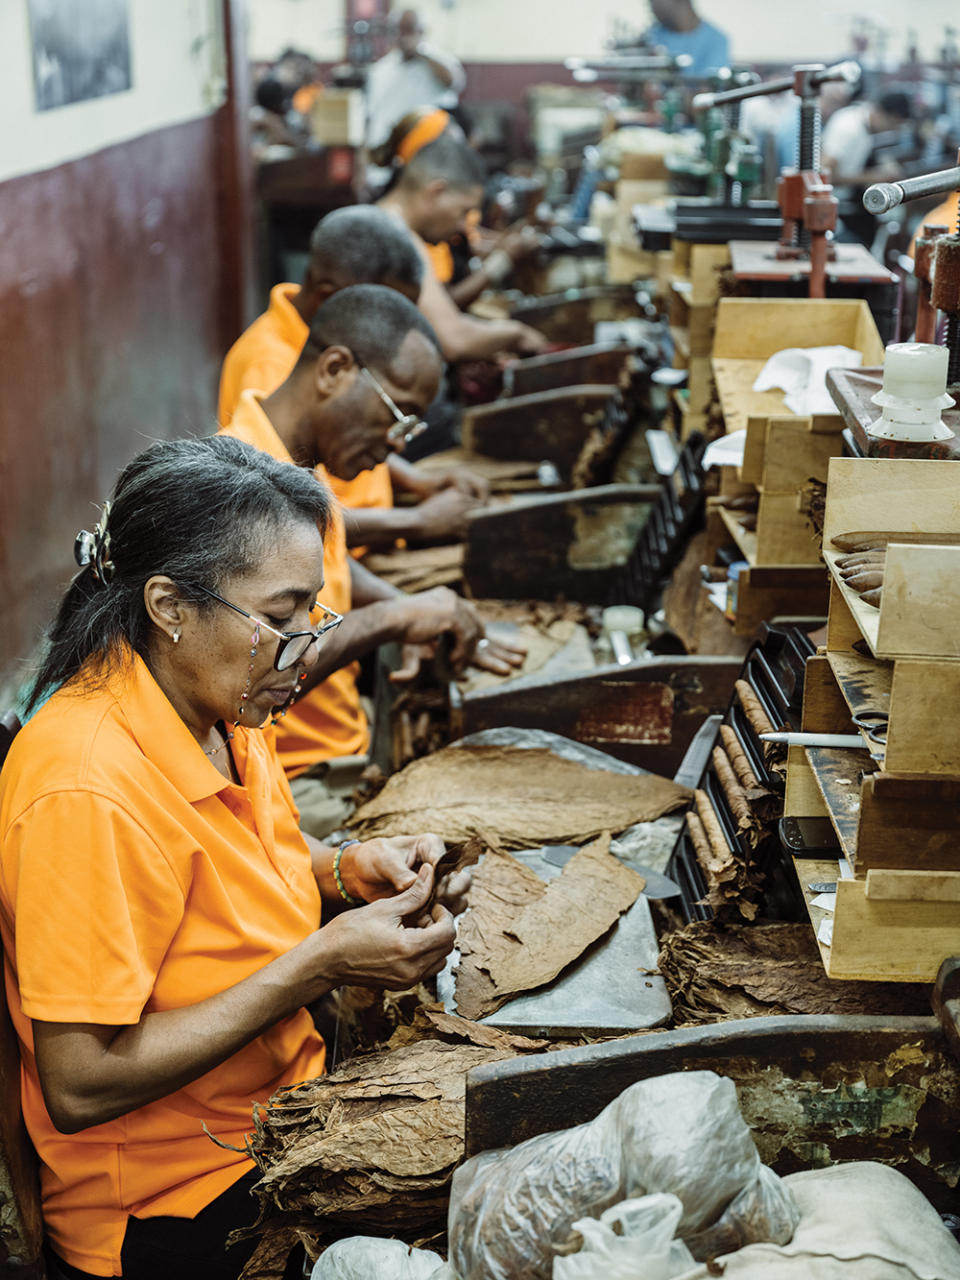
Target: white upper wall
pixel 176 51
pixel 550 30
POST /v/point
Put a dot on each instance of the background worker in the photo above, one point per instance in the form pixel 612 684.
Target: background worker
pixel 413 74
pixel 848 161
pixel 356 245
pixel 161 989
pixel 370 355
pixel 678 29
pixel 437 187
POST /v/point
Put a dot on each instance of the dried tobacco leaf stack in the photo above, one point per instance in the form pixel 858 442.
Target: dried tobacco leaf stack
pixel 370 1149
pixel 715 971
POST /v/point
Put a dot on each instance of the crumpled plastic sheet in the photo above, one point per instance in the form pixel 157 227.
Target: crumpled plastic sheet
pixel 512 1211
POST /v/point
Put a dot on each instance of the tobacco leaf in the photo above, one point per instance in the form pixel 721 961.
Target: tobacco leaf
pixel 513 798
pixel 579 906
pixel 369 1149
pixel 541 643
pixel 511 950
pixel 501 888
pixel 418 568
pixel 715 971
pixel 429 1021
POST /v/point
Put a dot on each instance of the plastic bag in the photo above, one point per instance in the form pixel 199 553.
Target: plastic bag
pixel 763 1211
pixel 511 1211
pixel 363 1257
pixel 643 1248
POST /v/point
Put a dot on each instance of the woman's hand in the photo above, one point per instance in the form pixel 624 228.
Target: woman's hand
pixel 394 942
pixel 379 869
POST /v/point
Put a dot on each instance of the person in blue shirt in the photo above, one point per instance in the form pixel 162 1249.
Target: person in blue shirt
pixel 678 30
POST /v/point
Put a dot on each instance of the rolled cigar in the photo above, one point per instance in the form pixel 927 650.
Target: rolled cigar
pixel 719 865
pixel 759 720
pixel 701 845
pixel 872 597
pixel 861 557
pixel 866 580
pixel 872 541
pixel 736 798
pixel 741 765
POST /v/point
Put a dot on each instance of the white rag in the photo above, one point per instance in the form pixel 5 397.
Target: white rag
pixel 801 372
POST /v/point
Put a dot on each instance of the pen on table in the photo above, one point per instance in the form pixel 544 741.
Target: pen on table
pixel 814 739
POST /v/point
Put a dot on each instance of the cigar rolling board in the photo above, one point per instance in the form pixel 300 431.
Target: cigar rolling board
pixel 895 804
pixel 784 451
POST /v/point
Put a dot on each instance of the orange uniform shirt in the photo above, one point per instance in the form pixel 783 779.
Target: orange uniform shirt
pixel 135 879
pixel 262 358
pixel 329 720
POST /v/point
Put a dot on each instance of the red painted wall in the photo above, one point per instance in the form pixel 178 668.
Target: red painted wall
pixel 112 327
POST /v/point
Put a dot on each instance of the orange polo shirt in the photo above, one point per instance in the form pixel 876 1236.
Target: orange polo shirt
pixel 329 720
pixel 262 358
pixel 135 879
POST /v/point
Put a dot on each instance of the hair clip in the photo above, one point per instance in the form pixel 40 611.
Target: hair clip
pixel 94 548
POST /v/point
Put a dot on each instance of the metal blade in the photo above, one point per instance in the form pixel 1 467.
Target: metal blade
pixel 657 885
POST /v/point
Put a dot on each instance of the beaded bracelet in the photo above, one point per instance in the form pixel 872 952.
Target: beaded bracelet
pixel 348 898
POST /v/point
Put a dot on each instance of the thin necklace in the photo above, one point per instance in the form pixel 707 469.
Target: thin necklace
pixel 227 737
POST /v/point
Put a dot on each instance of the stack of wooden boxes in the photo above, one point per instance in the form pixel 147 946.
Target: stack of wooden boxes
pixel 784 452
pixel 895 804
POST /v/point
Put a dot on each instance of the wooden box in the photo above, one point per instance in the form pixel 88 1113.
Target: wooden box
pixel 919 614
pixel 895 805
pixel 783 452
pixel 337 118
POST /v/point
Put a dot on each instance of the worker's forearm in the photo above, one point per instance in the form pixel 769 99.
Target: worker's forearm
pixel 469 289
pixel 407 478
pixel 379 526
pixel 361 631
pixel 469 339
pixel 167 1050
pixel 367 588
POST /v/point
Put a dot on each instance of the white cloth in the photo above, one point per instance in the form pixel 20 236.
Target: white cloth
pixel 801 373
pixel 847 141
pixel 396 85
pixel 857 1222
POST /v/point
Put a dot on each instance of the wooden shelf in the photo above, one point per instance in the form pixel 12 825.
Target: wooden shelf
pixel 815 871
pixel 837 773
pixel 681 341
pixel 877 938
pixel 866 684
pixel 746 539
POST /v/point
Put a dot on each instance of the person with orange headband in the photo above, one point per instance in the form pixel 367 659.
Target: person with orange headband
pixel 439 182
pixel 413 74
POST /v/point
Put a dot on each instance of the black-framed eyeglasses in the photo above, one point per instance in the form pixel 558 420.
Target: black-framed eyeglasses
pixel 293 644
pixel 407 426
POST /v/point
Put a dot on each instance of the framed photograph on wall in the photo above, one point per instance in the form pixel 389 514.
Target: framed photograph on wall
pixel 81 50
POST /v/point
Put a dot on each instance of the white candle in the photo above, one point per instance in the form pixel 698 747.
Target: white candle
pixel 915 370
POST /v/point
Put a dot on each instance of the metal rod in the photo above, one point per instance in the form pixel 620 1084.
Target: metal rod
pixel 629 62
pixel 884 196
pixel 848 71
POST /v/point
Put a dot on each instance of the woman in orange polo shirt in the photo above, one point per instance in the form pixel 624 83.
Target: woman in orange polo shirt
pixel 159 907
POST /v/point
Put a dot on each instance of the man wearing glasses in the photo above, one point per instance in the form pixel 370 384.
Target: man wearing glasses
pixel 368 371
pixel 356 245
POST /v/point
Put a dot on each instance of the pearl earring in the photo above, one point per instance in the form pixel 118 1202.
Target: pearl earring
pixel 176 636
